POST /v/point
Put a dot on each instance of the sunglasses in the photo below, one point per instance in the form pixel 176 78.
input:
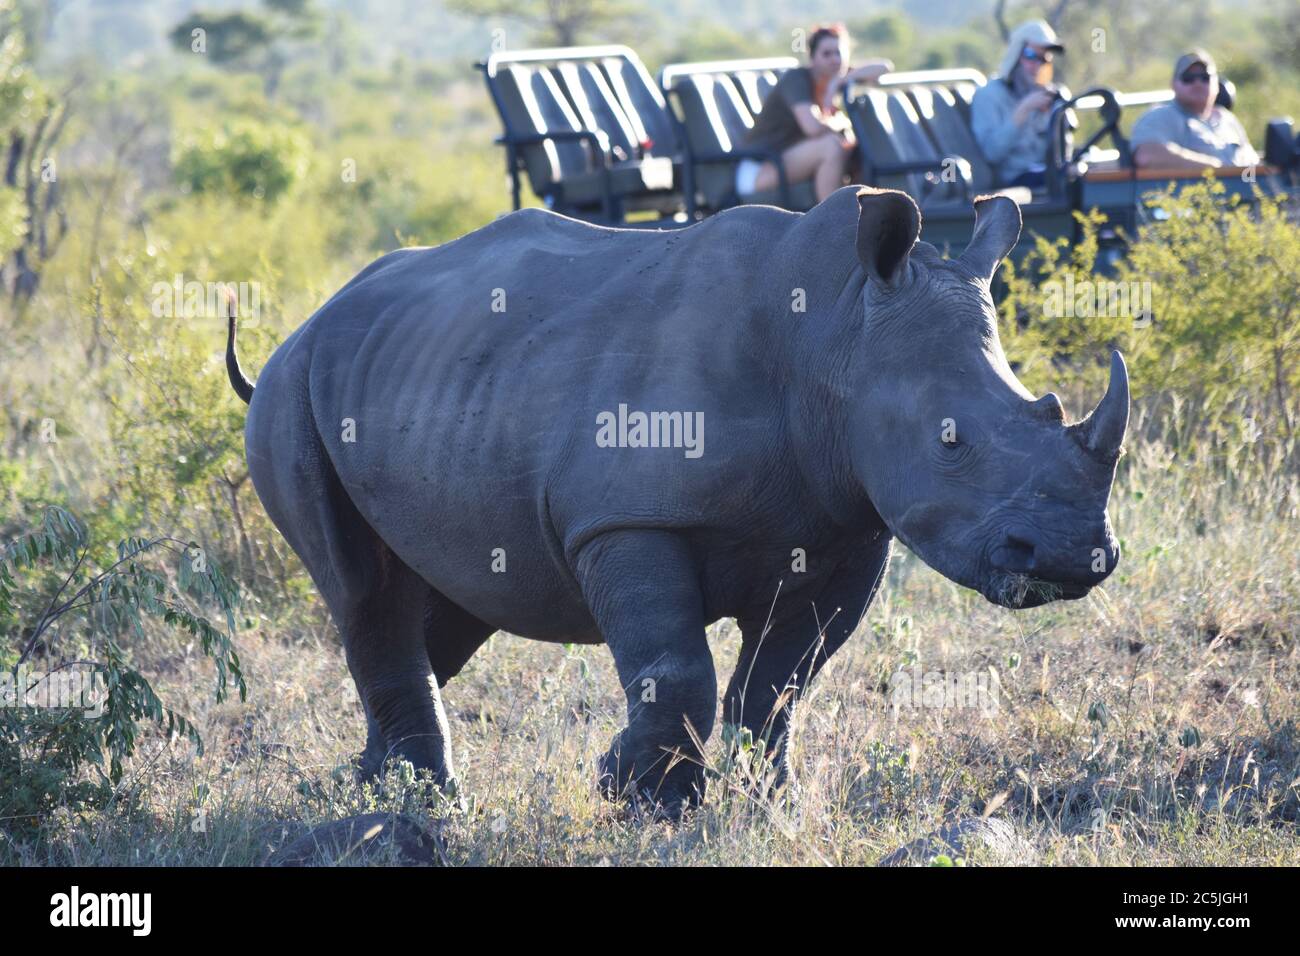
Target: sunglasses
pixel 1029 53
pixel 1190 78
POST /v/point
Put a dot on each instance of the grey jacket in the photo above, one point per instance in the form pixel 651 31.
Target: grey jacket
pixel 1010 149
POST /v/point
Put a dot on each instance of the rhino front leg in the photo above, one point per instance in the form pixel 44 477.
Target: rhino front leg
pixel 781 654
pixel 643 590
pixel 371 760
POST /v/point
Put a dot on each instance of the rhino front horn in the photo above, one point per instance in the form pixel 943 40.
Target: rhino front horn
pixel 1103 430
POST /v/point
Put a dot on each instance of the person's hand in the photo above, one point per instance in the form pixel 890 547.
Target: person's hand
pixel 839 123
pixel 1035 102
pixel 873 70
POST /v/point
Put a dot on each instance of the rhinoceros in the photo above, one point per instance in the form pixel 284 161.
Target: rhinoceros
pixel 581 434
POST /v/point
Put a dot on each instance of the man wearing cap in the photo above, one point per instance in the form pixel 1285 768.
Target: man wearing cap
pixel 1010 113
pixel 1191 133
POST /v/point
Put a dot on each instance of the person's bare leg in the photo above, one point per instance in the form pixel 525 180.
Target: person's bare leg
pixel 830 173
pixel 822 160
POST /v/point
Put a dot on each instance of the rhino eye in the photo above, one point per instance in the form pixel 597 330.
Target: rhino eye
pixel 955 450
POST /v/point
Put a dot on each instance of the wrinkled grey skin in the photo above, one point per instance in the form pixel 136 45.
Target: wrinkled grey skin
pixel 824 436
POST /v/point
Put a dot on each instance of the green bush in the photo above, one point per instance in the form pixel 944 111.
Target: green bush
pixel 242 158
pixel 53 756
pixel 1217 362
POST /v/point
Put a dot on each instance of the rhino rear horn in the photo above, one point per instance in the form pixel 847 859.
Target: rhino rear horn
pixel 997 229
pixel 889 224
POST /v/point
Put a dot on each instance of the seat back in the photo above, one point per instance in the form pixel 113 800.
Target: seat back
pixel 921 116
pixel 961 82
pixel 643 104
pixel 889 131
pixel 598 108
pixel 604 91
pixel 715 119
pixel 755 85
pixel 963 92
pixel 951 131
pixel 715 105
pixel 532 103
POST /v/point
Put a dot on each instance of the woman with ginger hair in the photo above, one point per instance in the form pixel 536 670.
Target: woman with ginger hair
pixel 801 122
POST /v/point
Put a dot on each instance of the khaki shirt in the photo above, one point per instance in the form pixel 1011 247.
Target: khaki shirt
pixel 1220 135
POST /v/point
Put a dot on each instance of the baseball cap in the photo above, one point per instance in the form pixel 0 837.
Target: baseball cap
pixel 1039 33
pixel 1195 55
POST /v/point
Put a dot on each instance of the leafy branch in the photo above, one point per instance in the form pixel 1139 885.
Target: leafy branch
pixel 111 600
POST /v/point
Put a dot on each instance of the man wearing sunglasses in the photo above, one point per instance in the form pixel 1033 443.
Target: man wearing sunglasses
pixel 1010 113
pixel 1191 133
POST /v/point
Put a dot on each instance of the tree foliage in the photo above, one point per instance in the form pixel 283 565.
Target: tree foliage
pixel 241 158
pixel 1219 356
pixel 53 584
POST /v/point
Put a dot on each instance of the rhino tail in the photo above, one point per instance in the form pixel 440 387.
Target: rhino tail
pixel 238 380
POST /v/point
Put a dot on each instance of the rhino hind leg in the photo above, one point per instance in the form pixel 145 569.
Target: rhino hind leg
pixel 377 602
pixel 380 618
pixel 451 636
pixel 642 588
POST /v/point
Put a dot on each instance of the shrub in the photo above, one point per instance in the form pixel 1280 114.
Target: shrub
pixel 46 752
pixel 1218 358
pixel 241 157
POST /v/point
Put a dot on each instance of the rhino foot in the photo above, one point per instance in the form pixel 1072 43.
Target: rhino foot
pixel 655 795
pixel 366 769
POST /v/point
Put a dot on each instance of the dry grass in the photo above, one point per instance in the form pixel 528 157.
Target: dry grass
pixel 1152 723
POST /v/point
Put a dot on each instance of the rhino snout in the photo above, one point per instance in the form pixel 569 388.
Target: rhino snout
pixel 1073 566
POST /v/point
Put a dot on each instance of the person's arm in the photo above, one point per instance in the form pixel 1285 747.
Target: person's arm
pixel 1035 102
pixel 795 90
pixel 869 72
pixel 993 124
pixel 1171 156
pixel 997 126
pixel 1245 153
pixel 811 122
pixel 1155 143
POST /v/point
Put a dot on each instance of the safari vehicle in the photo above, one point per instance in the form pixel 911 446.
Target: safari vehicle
pixel 590 129
pixel 599 140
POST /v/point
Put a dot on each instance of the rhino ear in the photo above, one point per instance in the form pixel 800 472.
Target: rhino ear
pixel 997 229
pixel 888 226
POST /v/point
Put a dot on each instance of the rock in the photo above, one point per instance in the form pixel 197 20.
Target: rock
pixel 371 838
pixel 998 840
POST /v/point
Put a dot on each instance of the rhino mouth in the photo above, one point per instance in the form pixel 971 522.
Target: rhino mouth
pixel 1016 590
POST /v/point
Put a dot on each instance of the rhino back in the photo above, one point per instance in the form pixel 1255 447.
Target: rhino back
pixel 475 429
